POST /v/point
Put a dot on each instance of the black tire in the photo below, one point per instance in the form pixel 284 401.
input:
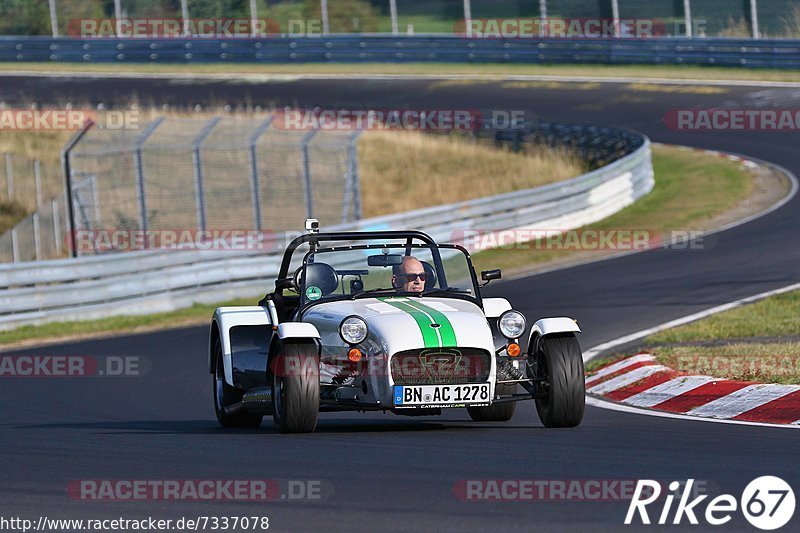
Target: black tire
pixel 295 388
pixel 559 359
pixel 226 396
pixel 500 412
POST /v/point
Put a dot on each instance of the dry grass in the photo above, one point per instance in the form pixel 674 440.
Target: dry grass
pixel 736 28
pixel 403 170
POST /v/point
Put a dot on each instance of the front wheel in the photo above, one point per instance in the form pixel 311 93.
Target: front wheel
pixel 499 412
pixel 558 359
pixel 295 388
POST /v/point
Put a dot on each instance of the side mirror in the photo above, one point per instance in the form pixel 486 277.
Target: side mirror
pixel 489 275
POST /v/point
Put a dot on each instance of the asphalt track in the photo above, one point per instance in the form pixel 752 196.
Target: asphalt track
pixel 384 472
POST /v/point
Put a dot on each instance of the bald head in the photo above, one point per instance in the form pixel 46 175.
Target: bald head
pixel 409 275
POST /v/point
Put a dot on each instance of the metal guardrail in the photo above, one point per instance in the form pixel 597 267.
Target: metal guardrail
pixel 772 53
pixel 142 282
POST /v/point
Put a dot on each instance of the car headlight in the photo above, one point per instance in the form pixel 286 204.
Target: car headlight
pixel 512 324
pixel 353 330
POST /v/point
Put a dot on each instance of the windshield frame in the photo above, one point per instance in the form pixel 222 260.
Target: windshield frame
pixel 285 281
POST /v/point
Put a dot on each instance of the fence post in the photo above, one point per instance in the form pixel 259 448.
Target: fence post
pixel 543 24
pixel 9 178
pixel 56 226
pixel 138 168
pixel 65 153
pixel 198 171
pixel 185 17
pixel 468 17
pixel 37 180
pixel 53 19
pixel 615 16
pixel 754 18
pixel 687 17
pixel 118 16
pixel 253 18
pixel 352 188
pixel 255 190
pixel 393 16
pixel 307 174
pixel 14 245
pixel 323 5
pixel 37 243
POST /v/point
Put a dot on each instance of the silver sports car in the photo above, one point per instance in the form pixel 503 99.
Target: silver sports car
pixel 387 321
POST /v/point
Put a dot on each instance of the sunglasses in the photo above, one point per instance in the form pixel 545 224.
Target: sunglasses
pixel 413 277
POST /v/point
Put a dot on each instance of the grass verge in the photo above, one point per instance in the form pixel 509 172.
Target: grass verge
pixel 749 343
pixel 488 69
pixel 677 171
pixel 692 188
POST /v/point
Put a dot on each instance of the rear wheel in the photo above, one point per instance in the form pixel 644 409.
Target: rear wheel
pixel 295 388
pixel 499 412
pixel 559 361
pixel 228 399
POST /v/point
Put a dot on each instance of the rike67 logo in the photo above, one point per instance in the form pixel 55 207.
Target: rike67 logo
pixel 767 503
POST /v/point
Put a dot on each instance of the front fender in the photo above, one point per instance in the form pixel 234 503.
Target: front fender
pixel 226 318
pixel 548 326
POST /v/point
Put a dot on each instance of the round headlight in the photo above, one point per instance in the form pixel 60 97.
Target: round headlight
pixel 511 324
pixel 353 330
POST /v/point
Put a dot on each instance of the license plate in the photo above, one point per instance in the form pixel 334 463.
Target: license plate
pixel 441 395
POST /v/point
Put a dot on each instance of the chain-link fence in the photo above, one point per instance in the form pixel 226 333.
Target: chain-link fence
pixel 174 176
pixel 28 185
pixel 706 18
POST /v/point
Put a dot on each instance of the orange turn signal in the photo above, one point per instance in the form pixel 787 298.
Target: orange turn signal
pixel 513 349
pixel 354 355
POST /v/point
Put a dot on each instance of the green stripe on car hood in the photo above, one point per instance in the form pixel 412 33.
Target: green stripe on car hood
pixel 442 337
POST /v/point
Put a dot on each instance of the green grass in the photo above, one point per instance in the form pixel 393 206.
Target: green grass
pixel 196 314
pixel 489 69
pixel 691 188
pixel 744 361
pixel 774 316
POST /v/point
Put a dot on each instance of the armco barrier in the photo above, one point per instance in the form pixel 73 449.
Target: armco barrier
pixel 771 53
pixel 142 282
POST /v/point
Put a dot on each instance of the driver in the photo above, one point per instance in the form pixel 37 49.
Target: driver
pixel 409 276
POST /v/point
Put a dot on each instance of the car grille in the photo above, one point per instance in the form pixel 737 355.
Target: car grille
pixel 440 365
